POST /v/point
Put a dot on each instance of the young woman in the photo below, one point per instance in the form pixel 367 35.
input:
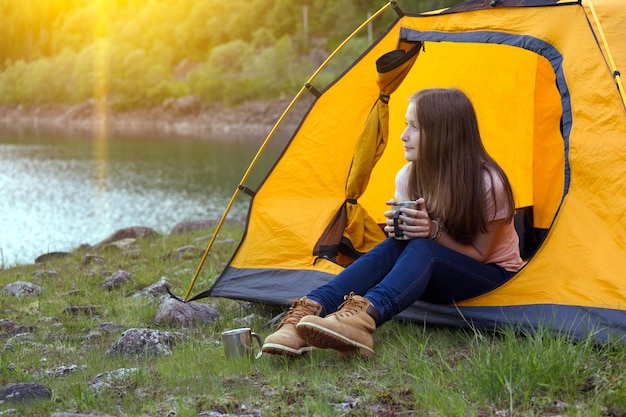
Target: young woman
pixel 462 239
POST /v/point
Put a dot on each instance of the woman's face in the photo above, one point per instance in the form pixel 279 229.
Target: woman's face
pixel 411 135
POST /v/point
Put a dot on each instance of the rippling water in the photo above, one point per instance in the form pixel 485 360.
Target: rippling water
pixel 57 193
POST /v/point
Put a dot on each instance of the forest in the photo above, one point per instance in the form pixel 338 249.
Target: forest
pixel 137 53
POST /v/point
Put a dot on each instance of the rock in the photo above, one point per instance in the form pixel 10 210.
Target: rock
pixel 108 327
pixel 51 255
pixel 24 391
pixel 245 321
pixel 155 290
pixel 183 106
pixel 6 324
pixel 116 280
pixel 193 225
pixel 104 379
pixel 90 258
pixel 78 415
pixel 121 244
pixel 247 120
pixel 18 330
pixel 346 406
pixel 185 271
pixel 187 252
pixel 24 339
pixel 175 312
pixel 40 273
pixel 202 239
pixel 86 310
pixel 144 342
pixel 61 371
pixel 21 289
pixel 135 232
pixel 201 224
pixel 188 105
pixel 242 411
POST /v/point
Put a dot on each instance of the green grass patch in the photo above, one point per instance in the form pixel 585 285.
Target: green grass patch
pixel 418 370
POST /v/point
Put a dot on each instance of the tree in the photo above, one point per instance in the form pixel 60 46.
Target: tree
pixel 230 57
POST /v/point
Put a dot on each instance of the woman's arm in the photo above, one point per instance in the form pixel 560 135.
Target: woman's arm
pixel 418 224
pixel 481 246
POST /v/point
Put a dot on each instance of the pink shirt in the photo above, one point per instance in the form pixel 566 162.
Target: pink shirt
pixel 506 253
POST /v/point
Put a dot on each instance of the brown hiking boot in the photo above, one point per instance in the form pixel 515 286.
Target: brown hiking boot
pixel 285 340
pixel 349 330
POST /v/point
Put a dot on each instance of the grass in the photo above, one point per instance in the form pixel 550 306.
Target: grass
pixel 418 370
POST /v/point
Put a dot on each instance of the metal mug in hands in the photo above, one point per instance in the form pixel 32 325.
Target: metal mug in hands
pixel 398 234
pixel 238 342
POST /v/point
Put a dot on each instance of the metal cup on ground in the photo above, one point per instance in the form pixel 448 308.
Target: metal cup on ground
pixel 238 342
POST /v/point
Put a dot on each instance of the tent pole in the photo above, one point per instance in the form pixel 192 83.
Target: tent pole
pixel 349 38
pixel 616 73
pixel 239 188
pixel 307 86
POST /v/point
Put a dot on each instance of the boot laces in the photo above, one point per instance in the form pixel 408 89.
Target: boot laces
pixel 351 306
pixel 298 309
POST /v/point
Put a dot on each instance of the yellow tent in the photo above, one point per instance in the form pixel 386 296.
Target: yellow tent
pixel 543 76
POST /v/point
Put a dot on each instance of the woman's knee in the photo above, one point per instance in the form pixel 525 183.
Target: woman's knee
pixel 422 248
pixel 388 249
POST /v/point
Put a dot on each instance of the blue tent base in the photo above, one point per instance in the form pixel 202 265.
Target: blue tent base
pixel 279 286
pixel 577 322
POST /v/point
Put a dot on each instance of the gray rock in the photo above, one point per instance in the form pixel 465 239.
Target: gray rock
pixel 8 328
pixel 245 321
pixel 135 232
pixel 17 330
pixel 42 273
pixel 122 244
pixel 242 412
pixel 61 370
pixel 78 415
pixel 51 255
pixel 21 289
pixel 111 327
pixel 24 391
pixel 104 379
pixel 88 310
pixel 186 105
pixel 91 258
pixel 175 312
pixel 116 280
pixel 19 339
pixel 144 342
pixel 193 225
pixel 6 324
pixel 201 224
pixel 187 252
pixel 155 290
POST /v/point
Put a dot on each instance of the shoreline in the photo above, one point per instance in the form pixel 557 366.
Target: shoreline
pixel 185 117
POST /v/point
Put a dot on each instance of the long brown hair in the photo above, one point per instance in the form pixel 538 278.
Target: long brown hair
pixel 451 163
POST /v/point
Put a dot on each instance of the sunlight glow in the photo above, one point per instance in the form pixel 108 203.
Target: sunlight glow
pixel 101 79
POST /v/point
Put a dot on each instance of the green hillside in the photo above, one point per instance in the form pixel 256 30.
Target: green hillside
pixel 140 52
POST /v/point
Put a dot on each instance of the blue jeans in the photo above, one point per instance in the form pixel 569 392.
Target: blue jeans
pixel 396 273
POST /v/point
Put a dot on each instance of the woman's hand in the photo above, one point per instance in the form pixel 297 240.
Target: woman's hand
pixel 414 223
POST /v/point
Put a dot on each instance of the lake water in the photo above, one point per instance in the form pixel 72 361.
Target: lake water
pixel 57 193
